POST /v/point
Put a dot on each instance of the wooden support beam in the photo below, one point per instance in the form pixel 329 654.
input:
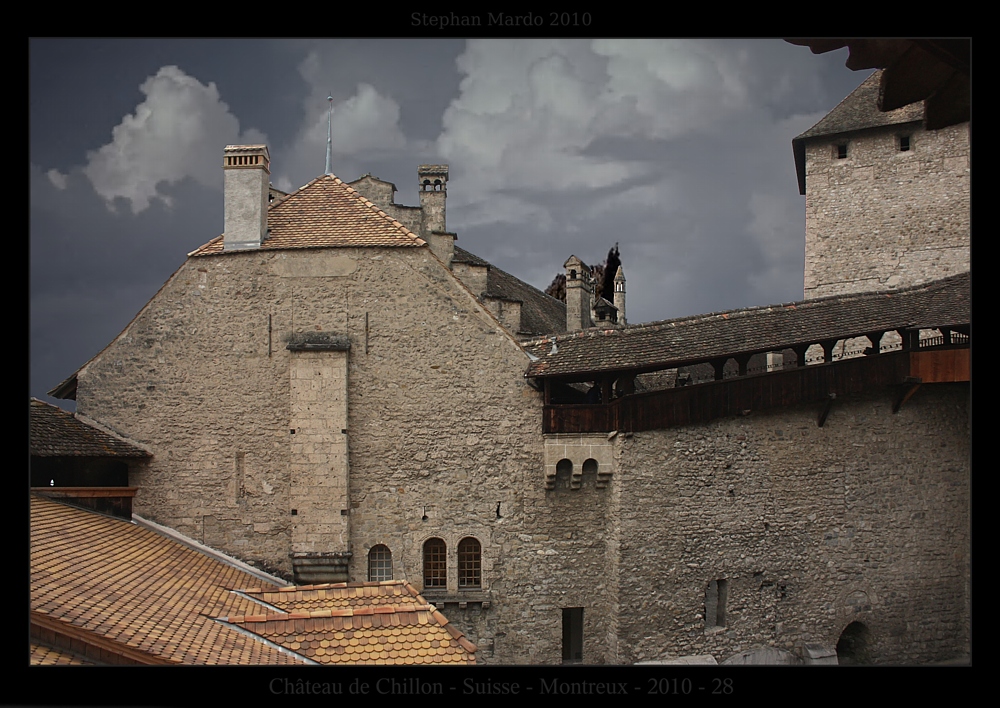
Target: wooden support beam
pixel 876 339
pixel 909 387
pixel 606 386
pixel 742 360
pixel 826 409
pixel 828 346
pixel 719 365
pixel 800 354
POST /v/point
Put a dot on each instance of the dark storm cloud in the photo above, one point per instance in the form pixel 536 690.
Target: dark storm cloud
pixel 678 150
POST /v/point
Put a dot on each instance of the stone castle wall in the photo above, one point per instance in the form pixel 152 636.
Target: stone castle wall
pixel 883 218
pixel 865 519
pixel 443 433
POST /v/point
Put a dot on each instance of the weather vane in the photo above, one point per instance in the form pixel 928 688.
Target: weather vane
pixel 329 137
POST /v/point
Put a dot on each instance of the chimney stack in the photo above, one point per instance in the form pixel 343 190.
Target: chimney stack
pixel 579 295
pixel 247 170
pixel 433 189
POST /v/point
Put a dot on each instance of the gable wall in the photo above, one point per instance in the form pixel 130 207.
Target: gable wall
pixel 441 424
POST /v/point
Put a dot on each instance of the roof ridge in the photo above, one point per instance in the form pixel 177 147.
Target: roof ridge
pixel 877 72
pixel 928 286
pixel 365 200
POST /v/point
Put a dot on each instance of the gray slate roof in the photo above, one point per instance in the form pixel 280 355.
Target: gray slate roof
pixel 54 432
pixel 858 111
pixel 540 313
pixel 690 340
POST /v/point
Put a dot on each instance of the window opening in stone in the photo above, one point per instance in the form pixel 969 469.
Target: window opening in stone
pixel 379 563
pixel 852 647
pixel 572 635
pixel 564 473
pixel 470 563
pixel 590 473
pixel 435 563
pixel 715 604
pixel 841 152
pixel 904 143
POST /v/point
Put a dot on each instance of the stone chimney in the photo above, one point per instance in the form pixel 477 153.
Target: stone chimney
pixel 433 186
pixel 579 295
pixel 247 170
pixel 620 295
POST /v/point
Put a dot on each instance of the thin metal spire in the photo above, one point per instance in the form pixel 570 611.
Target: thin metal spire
pixel 329 138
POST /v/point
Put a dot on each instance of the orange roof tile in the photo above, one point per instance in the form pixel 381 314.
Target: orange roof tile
pixel 326 213
pixel 107 578
pixel 128 589
pixel 43 655
pixel 378 623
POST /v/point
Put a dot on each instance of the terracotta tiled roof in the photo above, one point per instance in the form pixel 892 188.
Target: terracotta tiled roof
pixel 339 595
pixel 540 313
pixel 100 577
pixel 131 591
pixel 54 432
pixel 364 623
pixel 326 213
pixel 42 655
pixel 690 340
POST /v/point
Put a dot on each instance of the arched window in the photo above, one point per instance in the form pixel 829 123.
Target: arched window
pixel 564 472
pixel 435 563
pixel 470 563
pixel 379 563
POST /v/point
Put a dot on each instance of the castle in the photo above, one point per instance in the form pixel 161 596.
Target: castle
pixel 333 390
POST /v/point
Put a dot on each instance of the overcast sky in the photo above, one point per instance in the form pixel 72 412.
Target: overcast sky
pixel 679 150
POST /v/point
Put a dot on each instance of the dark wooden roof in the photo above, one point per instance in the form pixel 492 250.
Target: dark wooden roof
pixel 689 340
pixel 859 111
pixel 540 313
pixel 54 432
pixel 935 72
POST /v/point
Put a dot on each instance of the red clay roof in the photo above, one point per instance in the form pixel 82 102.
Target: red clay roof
pixel 385 623
pixel 127 590
pixel 326 213
pixel 96 576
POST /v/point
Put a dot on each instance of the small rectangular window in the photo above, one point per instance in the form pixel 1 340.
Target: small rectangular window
pixel 715 604
pixel 904 143
pixel 841 151
pixel 572 631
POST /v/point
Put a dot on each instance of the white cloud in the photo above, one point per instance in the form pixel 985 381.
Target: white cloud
pixel 57 178
pixel 530 112
pixel 176 133
pixel 364 124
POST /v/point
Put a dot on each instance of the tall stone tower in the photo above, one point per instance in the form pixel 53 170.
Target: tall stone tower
pixel 247 170
pixel 433 183
pixel 620 295
pixel 579 295
pixel 887 201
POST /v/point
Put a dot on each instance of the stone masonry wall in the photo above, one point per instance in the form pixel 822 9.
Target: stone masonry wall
pixel 882 218
pixel 444 434
pixel 865 519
